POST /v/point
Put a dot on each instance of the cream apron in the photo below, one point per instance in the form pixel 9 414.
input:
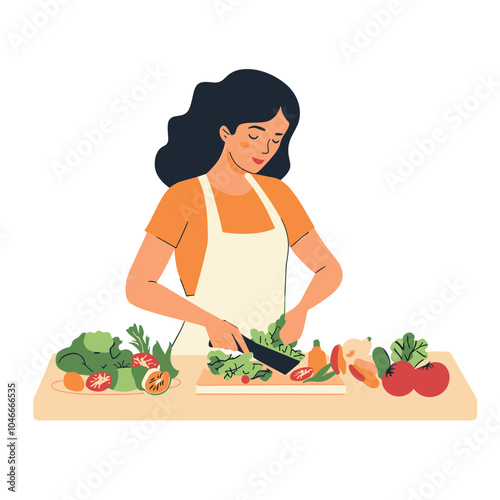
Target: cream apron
pixel 243 275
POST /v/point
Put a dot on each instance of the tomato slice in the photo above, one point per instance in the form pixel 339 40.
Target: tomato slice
pixel 144 359
pixel 301 374
pixel 99 381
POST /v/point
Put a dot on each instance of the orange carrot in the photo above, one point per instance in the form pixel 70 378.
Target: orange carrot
pixel 316 357
pixel 370 379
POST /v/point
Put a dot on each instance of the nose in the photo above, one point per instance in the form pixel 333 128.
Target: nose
pixel 267 148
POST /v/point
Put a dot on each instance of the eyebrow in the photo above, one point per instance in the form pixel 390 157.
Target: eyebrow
pixel 263 129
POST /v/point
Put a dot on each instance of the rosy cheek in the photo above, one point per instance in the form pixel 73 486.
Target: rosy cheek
pixel 244 144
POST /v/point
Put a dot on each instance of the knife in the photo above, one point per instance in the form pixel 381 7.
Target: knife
pixel 274 359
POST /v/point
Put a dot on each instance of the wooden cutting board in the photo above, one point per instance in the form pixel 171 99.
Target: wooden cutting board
pixel 208 383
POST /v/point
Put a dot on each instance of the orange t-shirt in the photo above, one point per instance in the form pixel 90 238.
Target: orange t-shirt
pixel 181 220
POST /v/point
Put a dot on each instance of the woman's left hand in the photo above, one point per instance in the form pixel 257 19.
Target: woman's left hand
pixel 295 320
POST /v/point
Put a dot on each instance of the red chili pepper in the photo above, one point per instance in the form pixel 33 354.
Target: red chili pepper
pixel 356 374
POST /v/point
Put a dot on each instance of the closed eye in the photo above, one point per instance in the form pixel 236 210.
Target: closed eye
pixel 275 142
pixel 253 137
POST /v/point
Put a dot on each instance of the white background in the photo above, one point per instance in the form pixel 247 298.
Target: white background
pixel 64 238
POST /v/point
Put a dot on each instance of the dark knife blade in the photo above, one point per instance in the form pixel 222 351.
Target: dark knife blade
pixel 274 359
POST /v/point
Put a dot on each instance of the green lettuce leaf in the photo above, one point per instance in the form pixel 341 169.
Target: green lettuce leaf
pixel 272 339
pixel 409 349
pixel 164 358
pixel 98 341
pixel 78 358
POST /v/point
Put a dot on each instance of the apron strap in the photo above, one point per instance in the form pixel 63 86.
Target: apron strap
pixel 213 218
pixel 273 213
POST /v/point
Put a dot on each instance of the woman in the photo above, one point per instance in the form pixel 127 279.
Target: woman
pixel 230 219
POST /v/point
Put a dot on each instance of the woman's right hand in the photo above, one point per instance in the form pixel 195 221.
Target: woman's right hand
pixel 223 335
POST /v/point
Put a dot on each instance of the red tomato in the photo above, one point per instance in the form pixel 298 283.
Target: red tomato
pixel 301 374
pixel 432 379
pixel 245 379
pixel 144 359
pixel 398 380
pixel 99 381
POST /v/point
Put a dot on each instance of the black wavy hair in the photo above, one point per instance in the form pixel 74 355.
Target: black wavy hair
pixel 244 96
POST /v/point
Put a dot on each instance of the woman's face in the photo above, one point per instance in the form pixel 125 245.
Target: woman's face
pixel 254 144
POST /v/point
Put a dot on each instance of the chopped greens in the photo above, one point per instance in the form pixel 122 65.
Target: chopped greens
pixel 229 366
pixel 272 340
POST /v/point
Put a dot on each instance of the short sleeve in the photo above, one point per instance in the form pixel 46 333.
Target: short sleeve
pixel 289 208
pixel 169 219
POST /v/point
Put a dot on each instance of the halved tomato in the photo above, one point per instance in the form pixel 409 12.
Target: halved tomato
pixel 144 359
pixel 99 381
pixel 156 381
pixel 301 374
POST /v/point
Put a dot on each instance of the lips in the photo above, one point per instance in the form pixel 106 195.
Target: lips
pixel 256 160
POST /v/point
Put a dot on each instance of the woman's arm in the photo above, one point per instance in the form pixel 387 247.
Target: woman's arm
pixel 311 250
pixel 144 291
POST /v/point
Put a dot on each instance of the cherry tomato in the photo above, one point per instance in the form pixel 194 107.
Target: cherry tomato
pixel 432 379
pixel 399 379
pixel 245 379
pixel 301 374
pixel 99 381
pixel 144 359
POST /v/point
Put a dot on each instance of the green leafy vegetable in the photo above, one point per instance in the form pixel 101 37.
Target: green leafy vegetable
pixel 164 359
pixel 138 373
pixel 98 341
pixel 229 366
pixel 272 339
pixel 78 358
pixel 140 342
pixel 409 349
pixel 124 380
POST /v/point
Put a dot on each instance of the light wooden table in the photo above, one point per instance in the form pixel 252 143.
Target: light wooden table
pixel 181 403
